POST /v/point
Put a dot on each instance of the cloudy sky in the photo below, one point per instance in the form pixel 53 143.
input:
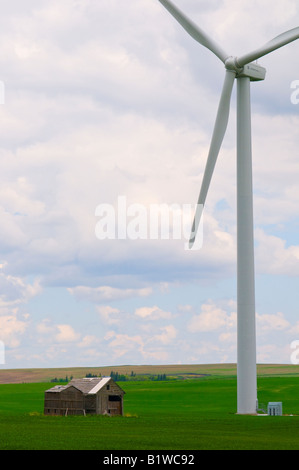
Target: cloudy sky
pixel 110 104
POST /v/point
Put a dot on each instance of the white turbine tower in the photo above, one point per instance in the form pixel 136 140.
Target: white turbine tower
pixel 242 69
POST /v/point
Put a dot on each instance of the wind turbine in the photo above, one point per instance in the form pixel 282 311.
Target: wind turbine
pixel 242 69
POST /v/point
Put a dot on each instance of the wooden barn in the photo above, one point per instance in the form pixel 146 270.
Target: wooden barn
pixel 100 395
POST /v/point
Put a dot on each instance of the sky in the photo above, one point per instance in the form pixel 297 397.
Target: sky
pixel 108 112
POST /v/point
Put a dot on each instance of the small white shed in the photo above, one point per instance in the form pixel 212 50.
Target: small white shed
pixel 275 408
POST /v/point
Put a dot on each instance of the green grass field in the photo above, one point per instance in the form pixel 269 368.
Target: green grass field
pixel 192 414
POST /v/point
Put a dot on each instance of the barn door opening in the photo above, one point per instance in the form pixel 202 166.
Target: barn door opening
pixel 115 405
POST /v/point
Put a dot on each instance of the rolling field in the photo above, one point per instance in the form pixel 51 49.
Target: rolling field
pixel 190 414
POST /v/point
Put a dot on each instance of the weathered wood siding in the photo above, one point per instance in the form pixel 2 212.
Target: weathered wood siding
pixel 108 399
pixel 69 401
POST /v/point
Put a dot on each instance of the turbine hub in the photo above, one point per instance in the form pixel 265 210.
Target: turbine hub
pixel 231 63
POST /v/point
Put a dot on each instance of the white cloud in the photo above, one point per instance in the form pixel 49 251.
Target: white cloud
pixel 66 334
pixel 109 314
pixel 63 333
pixel 121 344
pixel 45 328
pixel 104 293
pixel 14 290
pixel 87 341
pixel 185 308
pixel 274 256
pixel 11 330
pixel 228 337
pixel 295 329
pixel 211 318
pixel 272 322
pixel 168 335
pixel 152 313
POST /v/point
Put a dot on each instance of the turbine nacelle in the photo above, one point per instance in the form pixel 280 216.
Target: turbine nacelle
pixel 254 71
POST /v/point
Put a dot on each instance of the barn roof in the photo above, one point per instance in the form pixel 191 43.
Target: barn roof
pixel 85 385
pixel 90 385
pixel 57 388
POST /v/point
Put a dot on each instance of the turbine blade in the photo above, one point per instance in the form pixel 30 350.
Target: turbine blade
pixel 198 34
pixel 217 139
pixel 276 43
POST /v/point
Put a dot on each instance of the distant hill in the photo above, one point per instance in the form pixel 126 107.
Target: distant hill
pixel 184 370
